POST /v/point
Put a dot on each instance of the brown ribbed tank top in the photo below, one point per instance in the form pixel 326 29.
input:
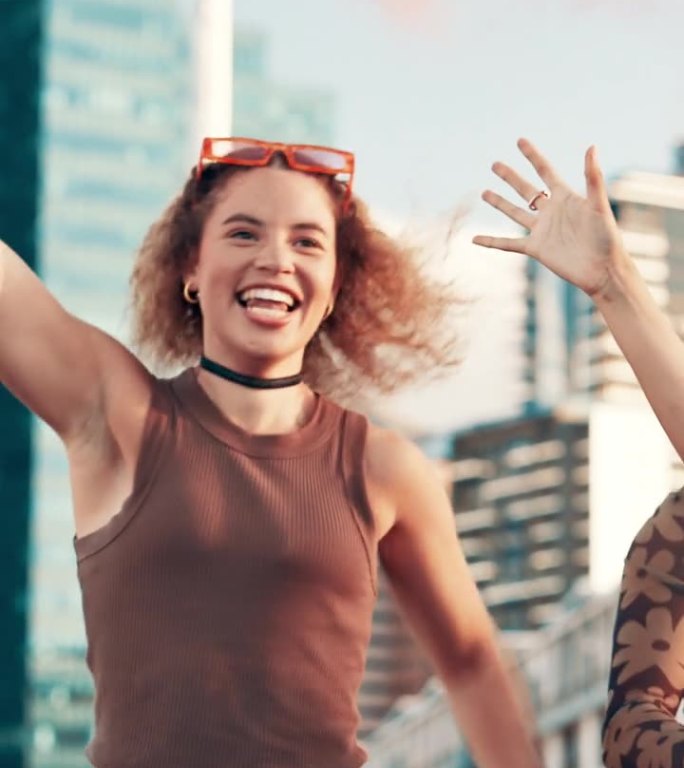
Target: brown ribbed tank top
pixel 228 604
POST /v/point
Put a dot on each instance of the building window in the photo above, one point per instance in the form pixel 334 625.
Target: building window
pixel 570 752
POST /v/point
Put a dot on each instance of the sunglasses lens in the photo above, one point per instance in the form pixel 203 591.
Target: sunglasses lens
pixel 321 158
pixel 237 150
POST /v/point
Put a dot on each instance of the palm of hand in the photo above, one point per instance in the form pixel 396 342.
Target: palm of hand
pixel 574 236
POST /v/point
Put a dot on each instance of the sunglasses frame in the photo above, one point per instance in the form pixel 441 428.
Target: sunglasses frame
pixel 207 157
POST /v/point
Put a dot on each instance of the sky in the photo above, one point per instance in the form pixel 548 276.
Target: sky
pixel 429 93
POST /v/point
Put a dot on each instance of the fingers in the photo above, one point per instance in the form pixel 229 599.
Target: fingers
pixel 518 215
pixel 515 244
pixel 540 164
pixel 596 187
pixel 526 190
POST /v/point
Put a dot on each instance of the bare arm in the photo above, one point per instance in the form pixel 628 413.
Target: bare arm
pixel 427 570
pixel 647 673
pixel 649 342
pixel 64 370
pixel 578 238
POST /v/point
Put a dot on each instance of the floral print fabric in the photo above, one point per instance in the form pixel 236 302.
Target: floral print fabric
pixel 647 671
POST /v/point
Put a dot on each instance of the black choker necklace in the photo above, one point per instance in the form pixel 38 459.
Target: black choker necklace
pixel 249 381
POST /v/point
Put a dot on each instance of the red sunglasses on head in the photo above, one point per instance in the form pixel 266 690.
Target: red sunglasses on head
pixel 300 157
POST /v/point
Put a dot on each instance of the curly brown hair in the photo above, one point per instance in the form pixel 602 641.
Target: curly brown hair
pixel 388 327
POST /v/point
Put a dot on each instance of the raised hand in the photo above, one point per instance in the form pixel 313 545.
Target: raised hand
pixel 574 236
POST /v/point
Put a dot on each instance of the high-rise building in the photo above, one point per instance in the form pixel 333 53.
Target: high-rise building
pixel 549 502
pixel 521 498
pixel 21 35
pixel 266 109
pixel 489 384
pixel 569 349
pixel 559 318
pixel 679 159
pixel 130 85
pixel 118 109
pixel 650 212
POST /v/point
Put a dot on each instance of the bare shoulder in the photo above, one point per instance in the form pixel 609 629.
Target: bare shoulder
pixel 399 475
pixel 391 457
pixel 59 366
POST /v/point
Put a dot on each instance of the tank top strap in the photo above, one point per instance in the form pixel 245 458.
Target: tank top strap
pixel 353 439
pixel 158 427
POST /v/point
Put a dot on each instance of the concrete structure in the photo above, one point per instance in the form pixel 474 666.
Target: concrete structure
pixel 543 501
pixel 520 493
pixel 214 54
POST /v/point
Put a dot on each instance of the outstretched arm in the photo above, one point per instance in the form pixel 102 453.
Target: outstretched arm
pixel 68 372
pixel 647 673
pixel 578 238
pixel 428 573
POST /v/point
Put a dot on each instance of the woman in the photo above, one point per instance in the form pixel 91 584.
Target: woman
pixel 579 240
pixel 229 520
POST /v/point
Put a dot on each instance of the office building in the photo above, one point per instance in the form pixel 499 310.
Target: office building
pixel 21 39
pixel 265 108
pixel 545 503
pixel 521 499
pixel 130 86
pixel 117 114
pixel 569 350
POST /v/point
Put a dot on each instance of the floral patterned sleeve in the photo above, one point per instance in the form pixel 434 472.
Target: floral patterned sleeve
pixel 647 672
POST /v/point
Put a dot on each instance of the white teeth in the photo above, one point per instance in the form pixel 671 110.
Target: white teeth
pixel 268 294
pixel 267 311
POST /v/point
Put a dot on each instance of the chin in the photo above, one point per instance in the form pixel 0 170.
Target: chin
pixel 270 354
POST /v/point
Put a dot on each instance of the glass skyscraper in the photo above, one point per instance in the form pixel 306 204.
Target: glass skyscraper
pixel 266 109
pixel 119 128
pixel 117 108
pixel 20 51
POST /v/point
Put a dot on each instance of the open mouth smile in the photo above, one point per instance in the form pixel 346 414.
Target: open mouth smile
pixel 268 302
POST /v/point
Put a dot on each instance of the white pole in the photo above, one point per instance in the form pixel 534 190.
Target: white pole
pixel 214 69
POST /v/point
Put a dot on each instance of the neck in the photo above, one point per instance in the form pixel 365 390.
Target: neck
pixel 258 411
pixel 248 380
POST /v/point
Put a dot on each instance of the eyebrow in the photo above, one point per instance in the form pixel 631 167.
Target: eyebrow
pixel 247 219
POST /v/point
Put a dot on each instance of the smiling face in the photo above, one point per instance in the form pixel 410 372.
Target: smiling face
pixel 265 270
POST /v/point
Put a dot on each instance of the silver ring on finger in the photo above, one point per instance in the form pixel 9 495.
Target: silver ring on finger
pixel 532 205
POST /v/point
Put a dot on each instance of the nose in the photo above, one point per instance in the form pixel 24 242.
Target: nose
pixel 276 256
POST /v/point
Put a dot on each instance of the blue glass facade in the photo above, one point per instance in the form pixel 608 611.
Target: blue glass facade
pixel 20 50
pixel 265 109
pixel 117 111
pixel 558 330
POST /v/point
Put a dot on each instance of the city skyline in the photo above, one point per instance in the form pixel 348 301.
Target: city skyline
pixel 90 169
pixel 429 94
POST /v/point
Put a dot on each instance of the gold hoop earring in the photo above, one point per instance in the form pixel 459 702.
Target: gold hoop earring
pixel 191 295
